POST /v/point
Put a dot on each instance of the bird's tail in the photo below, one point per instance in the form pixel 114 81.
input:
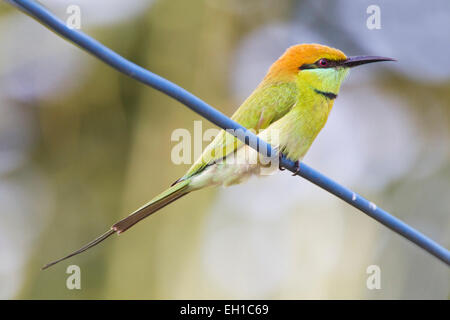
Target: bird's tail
pixel 163 199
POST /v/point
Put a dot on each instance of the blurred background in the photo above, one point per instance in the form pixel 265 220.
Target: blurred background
pixel 82 145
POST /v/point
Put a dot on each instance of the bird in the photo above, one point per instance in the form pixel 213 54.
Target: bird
pixel 287 109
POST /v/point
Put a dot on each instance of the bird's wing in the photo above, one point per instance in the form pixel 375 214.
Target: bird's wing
pixel 265 105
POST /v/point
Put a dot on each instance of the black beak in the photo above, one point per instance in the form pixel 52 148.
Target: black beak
pixel 359 60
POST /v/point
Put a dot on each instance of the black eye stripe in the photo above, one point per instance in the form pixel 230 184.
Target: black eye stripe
pixel 315 65
pixel 307 66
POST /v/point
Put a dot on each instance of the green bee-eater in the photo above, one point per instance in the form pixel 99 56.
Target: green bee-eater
pixel 293 101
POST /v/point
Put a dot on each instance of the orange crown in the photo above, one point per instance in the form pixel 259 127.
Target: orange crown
pixel 287 66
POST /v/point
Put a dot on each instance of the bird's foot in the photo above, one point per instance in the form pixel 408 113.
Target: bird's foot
pixel 297 168
pixel 280 156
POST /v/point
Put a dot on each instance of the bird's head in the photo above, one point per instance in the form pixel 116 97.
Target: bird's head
pixel 316 66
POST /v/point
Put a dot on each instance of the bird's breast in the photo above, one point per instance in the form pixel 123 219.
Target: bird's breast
pixel 302 125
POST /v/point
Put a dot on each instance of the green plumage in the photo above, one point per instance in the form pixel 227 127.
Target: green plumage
pixel 265 105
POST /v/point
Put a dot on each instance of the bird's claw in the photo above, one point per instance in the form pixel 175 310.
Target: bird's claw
pixel 280 156
pixel 297 168
pixel 297 165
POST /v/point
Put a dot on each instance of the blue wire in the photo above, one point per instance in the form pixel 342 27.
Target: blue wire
pixel 118 62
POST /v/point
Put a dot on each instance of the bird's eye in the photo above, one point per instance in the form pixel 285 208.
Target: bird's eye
pixel 322 63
